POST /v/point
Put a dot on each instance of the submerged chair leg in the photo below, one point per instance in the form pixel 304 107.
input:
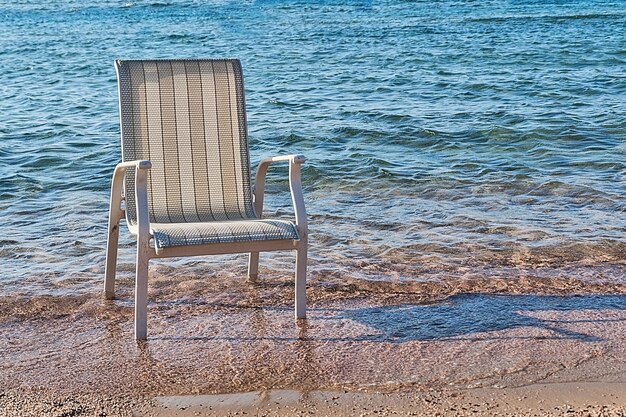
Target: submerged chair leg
pixel 301 259
pixel 115 215
pixel 111 262
pixel 141 296
pixel 143 252
pixel 253 266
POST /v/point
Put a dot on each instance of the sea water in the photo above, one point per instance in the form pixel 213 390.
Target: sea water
pixel 448 142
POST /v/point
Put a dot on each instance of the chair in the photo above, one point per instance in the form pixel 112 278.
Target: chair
pixel 184 180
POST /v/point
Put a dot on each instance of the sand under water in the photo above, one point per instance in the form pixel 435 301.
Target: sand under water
pixel 402 346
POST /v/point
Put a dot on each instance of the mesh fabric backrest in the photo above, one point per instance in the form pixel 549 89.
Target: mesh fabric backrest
pixel 188 118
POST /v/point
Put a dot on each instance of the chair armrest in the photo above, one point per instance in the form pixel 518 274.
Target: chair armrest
pixel 139 164
pixel 141 167
pixel 118 179
pixel 295 186
pixel 298 159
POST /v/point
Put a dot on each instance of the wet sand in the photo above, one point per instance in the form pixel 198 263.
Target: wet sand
pixel 427 351
pixel 544 399
pixel 562 399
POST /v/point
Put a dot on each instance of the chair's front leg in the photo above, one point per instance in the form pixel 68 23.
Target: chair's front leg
pixel 297 199
pixel 143 254
pixel 300 295
pixel 141 292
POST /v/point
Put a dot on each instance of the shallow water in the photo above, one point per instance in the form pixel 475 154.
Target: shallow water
pixel 448 142
pixel 83 346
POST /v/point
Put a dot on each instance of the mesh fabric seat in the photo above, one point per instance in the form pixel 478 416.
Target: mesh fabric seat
pixel 184 131
pixel 167 235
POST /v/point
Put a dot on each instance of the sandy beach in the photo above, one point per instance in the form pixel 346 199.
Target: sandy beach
pixel 359 353
pixel 562 399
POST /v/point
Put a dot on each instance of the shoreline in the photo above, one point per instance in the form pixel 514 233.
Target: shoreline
pixel 558 399
pixel 586 397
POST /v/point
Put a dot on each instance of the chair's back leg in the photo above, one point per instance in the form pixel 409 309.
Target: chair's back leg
pixel 301 260
pixel 111 262
pixel 115 215
pixel 253 266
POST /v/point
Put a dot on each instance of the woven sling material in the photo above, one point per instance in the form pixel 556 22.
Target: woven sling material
pixel 188 118
pixel 184 234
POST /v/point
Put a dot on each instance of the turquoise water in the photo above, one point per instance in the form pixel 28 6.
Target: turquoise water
pixel 447 141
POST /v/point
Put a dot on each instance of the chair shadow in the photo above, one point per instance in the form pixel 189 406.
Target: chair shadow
pixel 470 317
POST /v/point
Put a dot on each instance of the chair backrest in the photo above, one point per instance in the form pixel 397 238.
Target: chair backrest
pixel 188 118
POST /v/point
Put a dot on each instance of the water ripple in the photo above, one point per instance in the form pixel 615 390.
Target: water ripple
pixel 436 133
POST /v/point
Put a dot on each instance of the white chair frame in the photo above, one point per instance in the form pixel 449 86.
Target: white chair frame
pixel 145 251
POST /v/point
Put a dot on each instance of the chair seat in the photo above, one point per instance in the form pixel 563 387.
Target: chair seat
pixel 167 235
